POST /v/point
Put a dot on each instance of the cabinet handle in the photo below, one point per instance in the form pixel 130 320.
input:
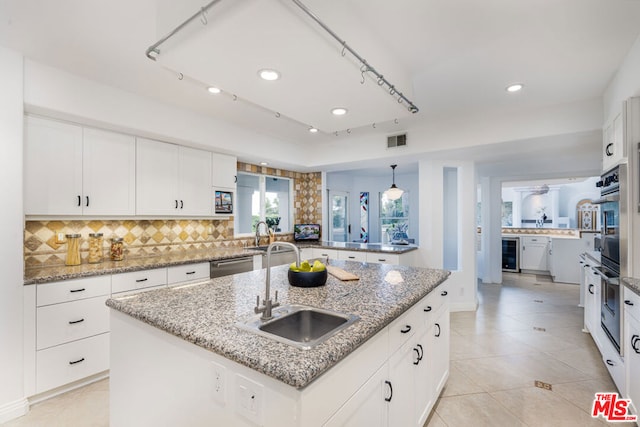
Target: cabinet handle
pixel 591 289
pixel 351 257
pixel 79 201
pixel 141 280
pixel 191 272
pixel 87 200
pixel 417 361
pixel 444 293
pixel 388 399
pixel 438 334
pixel 634 343
pixel 176 203
pixel 610 363
pixel 73 362
pixel 381 260
pixel 406 329
pixel 77 290
pixel 73 322
pixel 628 302
pixel 608 151
pixel 421 351
pixel 181 204
pixel 235 179
pixel 427 309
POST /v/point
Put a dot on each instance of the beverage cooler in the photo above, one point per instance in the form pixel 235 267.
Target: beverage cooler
pixel 511 254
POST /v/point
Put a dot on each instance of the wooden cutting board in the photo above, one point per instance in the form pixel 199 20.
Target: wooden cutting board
pixel 341 274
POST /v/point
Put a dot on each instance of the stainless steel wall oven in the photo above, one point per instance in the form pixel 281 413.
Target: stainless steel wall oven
pixel 613 245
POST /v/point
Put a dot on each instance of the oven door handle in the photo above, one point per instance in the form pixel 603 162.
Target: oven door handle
pixel 615 281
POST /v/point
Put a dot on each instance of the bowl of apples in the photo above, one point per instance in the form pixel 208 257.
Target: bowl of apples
pixel 307 275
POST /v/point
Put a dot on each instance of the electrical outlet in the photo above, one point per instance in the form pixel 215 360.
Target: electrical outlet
pixel 60 238
pixel 219 382
pixel 249 399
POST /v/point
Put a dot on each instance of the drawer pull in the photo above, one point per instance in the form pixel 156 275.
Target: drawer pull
pixel 352 257
pixel 421 352
pixel 381 259
pixel 417 361
pixel 406 329
pixel 388 399
pixel 438 334
pixel 628 302
pixel 73 322
pixel 610 363
pixel 141 280
pixel 634 343
pixel 191 272
pixel 73 362
pixel 77 290
pixel 591 289
pixel 427 309
pixel 444 293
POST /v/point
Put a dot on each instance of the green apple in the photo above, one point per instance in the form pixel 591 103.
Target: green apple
pixel 318 266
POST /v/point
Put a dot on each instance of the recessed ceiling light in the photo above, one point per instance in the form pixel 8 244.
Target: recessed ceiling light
pixel 313 130
pixel 515 87
pixel 264 163
pixel 339 111
pixel 213 89
pixel 268 74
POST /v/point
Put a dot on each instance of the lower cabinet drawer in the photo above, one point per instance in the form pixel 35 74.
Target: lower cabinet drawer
pixel 401 329
pixel 138 280
pixel 381 258
pixel 188 272
pixel 352 256
pixel 71 321
pixel 70 362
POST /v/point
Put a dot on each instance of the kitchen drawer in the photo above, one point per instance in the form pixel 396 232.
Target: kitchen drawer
pixel 528 240
pixel 352 256
pixel 71 321
pixel 70 362
pixel 382 258
pixel 138 280
pixel 72 290
pixel 632 303
pixel 325 253
pixel 433 303
pixel 188 272
pixel 403 328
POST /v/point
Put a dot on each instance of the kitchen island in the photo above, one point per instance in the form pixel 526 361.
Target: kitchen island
pixel 178 358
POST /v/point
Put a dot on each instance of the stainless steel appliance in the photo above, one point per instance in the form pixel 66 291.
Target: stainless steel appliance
pixel 511 254
pixel 227 267
pixel 613 244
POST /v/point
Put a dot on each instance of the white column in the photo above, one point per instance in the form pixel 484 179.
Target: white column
pixel 492 230
pixel 12 399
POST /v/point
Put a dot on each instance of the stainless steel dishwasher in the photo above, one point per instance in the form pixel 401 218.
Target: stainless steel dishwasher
pixel 226 267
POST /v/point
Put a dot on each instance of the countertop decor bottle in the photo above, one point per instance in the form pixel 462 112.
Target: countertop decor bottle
pixel 96 250
pixel 73 249
pixel 117 249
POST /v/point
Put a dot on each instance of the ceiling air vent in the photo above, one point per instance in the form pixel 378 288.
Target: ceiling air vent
pixel 397 141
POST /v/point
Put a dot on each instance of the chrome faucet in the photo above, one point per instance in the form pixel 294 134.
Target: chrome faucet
pixel 266 227
pixel 267 304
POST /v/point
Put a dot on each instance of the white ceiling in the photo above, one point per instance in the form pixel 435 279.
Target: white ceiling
pixel 451 57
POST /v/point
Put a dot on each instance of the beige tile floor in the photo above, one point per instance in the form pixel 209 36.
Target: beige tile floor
pixel 496 355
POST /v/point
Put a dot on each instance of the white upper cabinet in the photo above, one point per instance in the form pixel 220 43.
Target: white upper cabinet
pixel 224 171
pixel 172 180
pixel 613 140
pixel 74 171
pixel 108 173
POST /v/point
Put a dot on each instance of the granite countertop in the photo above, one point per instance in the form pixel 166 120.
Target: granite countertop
pixel 205 314
pixel 63 272
pixel 365 247
pixel 632 283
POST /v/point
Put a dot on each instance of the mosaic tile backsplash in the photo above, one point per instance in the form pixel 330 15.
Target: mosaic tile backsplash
pixel 153 237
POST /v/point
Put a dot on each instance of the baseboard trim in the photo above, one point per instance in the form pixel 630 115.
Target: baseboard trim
pixel 13 410
pixel 463 306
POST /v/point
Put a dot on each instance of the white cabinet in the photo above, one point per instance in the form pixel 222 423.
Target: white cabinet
pixel 224 171
pixel 188 273
pixel 562 255
pixel 325 253
pixel 613 147
pixel 138 280
pixel 70 170
pixel 353 256
pixel 172 180
pixel 306 253
pixel 382 258
pixel 592 304
pixel 534 253
pixel 632 346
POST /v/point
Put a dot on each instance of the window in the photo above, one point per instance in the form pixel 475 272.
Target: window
pixel 263 198
pixel 394 218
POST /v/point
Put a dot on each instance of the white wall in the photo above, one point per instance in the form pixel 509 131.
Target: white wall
pixel 12 402
pixel 463 281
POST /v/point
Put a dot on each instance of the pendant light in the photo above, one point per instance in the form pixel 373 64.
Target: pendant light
pixel 394 193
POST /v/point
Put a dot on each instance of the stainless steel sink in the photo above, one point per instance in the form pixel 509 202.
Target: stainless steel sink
pixel 299 325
